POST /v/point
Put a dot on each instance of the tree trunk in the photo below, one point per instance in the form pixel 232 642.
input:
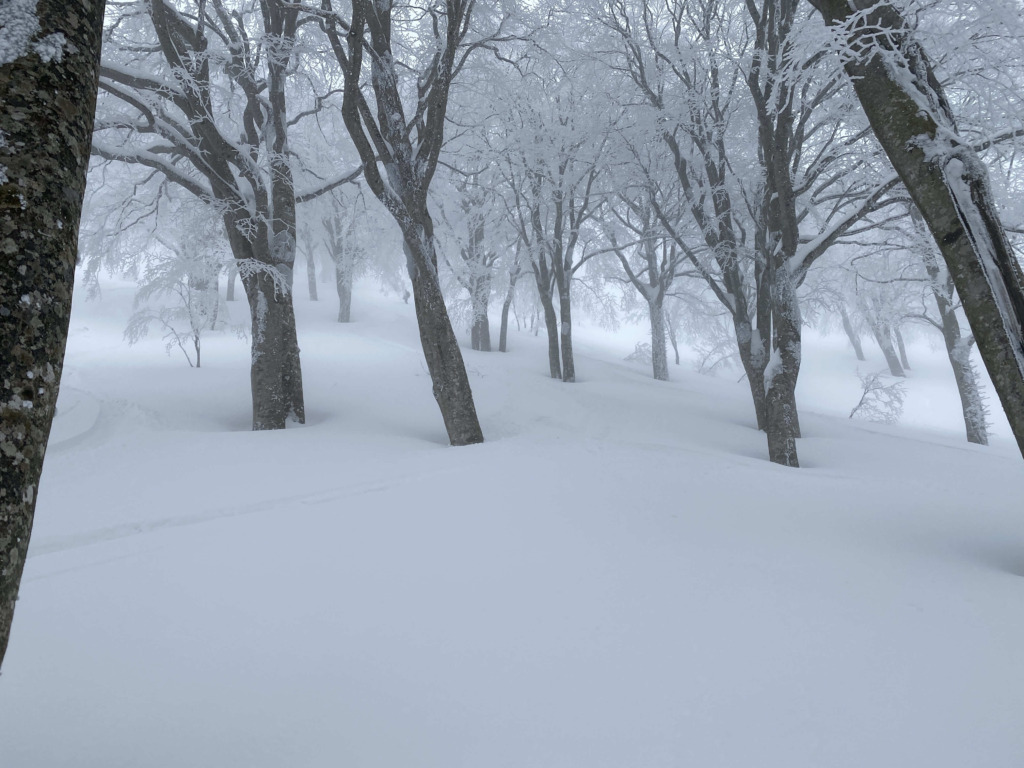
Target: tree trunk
pixel 343 281
pixel 232 275
pixel 311 275
pixel 783 423
pixel 897 87
pixel 883 337
pixel 565 315
pixel 754 351
pixel 503 332
pixel 480 333
pixel 659 351
pixel 851 333
pixel 672 338
pixel 440 345
pixel 276 374
pixel 550 322
pixel 48 97
pixel 902 347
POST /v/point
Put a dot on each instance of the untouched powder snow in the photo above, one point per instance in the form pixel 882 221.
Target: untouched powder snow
pixel 617 578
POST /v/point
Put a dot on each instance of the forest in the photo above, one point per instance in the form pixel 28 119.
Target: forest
pixel 461 382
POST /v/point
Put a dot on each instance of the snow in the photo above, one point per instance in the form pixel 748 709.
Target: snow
pixel 618 577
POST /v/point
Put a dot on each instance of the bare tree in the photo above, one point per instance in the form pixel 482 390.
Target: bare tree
pixel 902 97
pixel 399 145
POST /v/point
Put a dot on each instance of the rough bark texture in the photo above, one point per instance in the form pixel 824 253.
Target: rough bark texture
pixel 441 347
pixel 46 117
pixel 902 98
pixel 659 350
pixel 480 331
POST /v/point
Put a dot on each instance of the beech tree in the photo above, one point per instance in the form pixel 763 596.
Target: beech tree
pixel 897 86
pixel 397 126
pixel 49 57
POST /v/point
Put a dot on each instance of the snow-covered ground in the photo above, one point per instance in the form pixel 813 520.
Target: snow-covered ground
pixel 617 579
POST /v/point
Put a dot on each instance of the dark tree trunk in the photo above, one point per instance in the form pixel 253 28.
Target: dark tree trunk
pixel 902 347
pixel 783 423
pixel 754 351
pixel 565 315
pixel 895 81
pixel 659 351
pixel 343 280
pixel 503 333
pixel 440 345
pixel 275 372
pixel 851 333
pixel 46 118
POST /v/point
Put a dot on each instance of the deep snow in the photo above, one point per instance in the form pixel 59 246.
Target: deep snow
pixel 617 577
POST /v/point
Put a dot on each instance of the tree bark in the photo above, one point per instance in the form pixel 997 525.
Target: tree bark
pixel 275 372
pixel 672 338
pixel 232 277
pixel 783 423
pixel 440 345
pixel 48 78
pixel 503 333
pixel 897 86
pixel 659 350
pixel 565 334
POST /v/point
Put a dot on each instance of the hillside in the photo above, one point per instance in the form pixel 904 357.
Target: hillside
pixel 617 578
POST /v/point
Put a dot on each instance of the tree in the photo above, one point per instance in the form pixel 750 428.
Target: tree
pixel 406 141
pixel 49 57
pixel 896 84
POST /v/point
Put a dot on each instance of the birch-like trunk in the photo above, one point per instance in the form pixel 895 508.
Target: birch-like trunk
pixel 565 335
pixel 46 120
pixel 896 84
pixel 480 331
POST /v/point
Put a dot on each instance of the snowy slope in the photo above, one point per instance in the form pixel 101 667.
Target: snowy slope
pixel 617 578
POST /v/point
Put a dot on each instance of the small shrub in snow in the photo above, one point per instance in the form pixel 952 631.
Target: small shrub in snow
pixel 879 401
pixel 642 353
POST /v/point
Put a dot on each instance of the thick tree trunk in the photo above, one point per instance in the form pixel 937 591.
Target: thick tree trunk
pixel 343 281
pixel 440 345
pixel 902 347
pixel 48 76
pixel 551 323
pixel 783 423
pixel 276 374
pixel 851 333
pixel 754 351
pixel 905 104
pixel 659 350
